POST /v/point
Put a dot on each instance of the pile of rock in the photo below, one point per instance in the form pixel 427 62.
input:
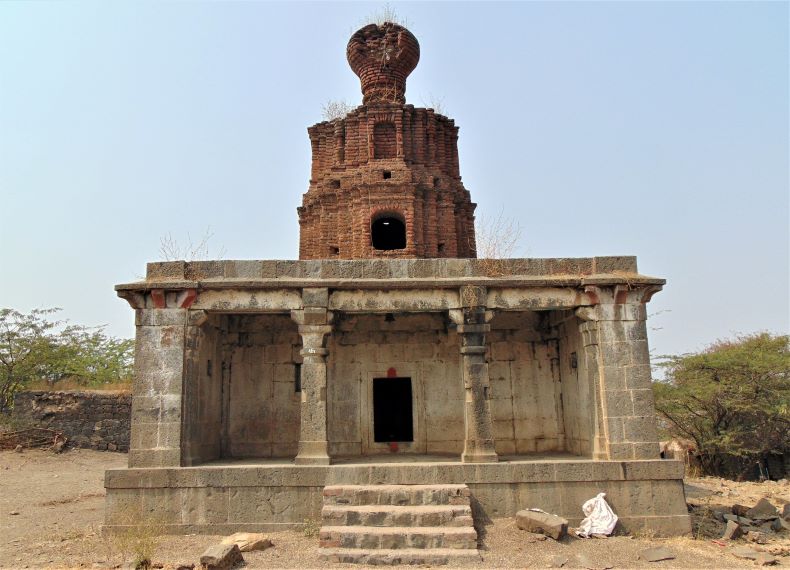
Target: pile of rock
pixel 757 522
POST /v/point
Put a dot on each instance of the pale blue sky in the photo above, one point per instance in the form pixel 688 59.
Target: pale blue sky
pixel 653 129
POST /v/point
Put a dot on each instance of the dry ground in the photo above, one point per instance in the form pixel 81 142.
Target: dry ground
pixel 59 501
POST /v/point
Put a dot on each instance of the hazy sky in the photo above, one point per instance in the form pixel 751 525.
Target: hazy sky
pixel 651 129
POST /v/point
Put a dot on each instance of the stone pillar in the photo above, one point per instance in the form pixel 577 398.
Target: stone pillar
pixel 472 322
pixel 314 327
pixel 162 327
pixel 618 360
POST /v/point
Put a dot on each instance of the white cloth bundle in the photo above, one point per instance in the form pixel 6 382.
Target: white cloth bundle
pixel 600 519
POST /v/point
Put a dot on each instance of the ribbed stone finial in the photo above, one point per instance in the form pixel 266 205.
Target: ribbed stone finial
pixel 383 55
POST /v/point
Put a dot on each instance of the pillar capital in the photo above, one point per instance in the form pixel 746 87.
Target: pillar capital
pixel 312 316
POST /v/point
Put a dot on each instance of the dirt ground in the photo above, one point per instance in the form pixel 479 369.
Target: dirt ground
pixel 51 509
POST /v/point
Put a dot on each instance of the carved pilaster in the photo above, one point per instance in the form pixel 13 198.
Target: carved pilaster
pixel 472 325
pixel 314 328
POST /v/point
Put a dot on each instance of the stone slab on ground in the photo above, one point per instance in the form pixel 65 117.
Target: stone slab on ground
pixel 221 557
pixel 656 554
pixel 542 523
pixel 248 541
pixel 591 563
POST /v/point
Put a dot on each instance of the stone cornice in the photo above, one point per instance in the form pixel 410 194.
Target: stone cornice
pixel 393 274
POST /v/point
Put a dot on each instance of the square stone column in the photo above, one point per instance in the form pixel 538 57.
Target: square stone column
pixel 472 324
pixel 157 386
pixel 162 329
pixel 618 362
pixel 314 327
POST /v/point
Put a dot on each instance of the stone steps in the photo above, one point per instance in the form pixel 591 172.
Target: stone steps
pixel 396 495
pixel 397 537
pixel 397 524
pixel 396 515
pixel 398 556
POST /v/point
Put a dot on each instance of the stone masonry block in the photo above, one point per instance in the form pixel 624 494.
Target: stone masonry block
pixel 615 354
pixel 619 451
pixel 165 270
pixel 169 435
pixel 643 402
pixel 246 269
pixel 618 403
pixel 638 377
pixel 143 435
pixel 613 378
pixel 198 270
pixel 159 317
pixel 613 264
pixel 542 523
pixel 289 269
pixel 616 430
pixel 640 429
pixel 646 450
pixel 315 297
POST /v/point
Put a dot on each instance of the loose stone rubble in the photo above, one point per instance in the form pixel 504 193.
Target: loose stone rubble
pixel 542 523
pixel 221 557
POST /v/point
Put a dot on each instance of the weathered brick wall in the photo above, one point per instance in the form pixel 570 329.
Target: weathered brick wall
pixel 95 420
pixel 385 158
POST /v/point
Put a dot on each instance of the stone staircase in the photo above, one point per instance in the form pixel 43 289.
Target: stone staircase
pixel 397 524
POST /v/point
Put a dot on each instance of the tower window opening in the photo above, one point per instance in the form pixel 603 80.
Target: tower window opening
pixel 436 182
pixel 334 184
pixel 387 174
pixel 387 233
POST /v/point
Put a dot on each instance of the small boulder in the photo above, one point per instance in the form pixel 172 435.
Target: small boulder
pixel 542 523
pixel 656 554
pixel 19 448
pixel 786 512
pixel 744 552
pixel 221 557
pixel 763 510
pixel 733 531
pixel 558 561
pixel 739 510
pixel 248 541
pixel 779 525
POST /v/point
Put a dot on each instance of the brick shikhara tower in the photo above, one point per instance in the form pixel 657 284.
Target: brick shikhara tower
pixel 385 181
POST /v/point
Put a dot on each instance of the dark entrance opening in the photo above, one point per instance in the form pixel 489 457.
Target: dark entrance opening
pixel 392 410
pixel 388 233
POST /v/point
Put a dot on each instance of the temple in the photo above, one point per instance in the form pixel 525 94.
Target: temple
pixel 388 357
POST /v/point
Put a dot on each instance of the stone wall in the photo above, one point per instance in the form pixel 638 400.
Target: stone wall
pixel 95 420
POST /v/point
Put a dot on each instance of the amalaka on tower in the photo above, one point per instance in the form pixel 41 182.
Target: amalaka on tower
pixel 385 180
